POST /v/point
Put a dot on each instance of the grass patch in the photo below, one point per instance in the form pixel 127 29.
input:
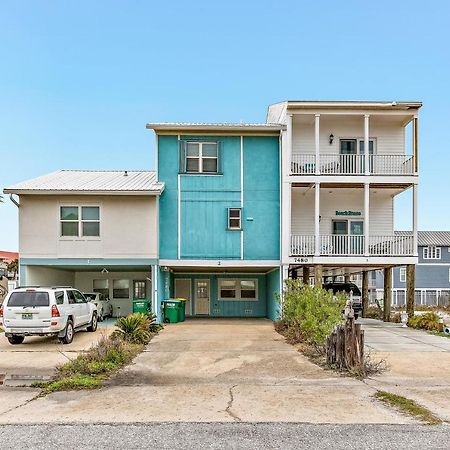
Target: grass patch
pixel 439 333
pixel 90 369
pixel 73 383
pixel 409 407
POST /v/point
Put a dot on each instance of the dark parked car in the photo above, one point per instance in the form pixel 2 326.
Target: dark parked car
pixel 346 288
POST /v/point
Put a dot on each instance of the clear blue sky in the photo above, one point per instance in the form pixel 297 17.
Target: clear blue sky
pixel 79 79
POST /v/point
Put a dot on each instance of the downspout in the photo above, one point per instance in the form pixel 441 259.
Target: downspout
pixel 14 200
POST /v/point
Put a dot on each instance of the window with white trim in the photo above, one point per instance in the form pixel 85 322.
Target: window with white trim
pixel 238 289
pixel 402 274
pixel 449 275
pixel 432 252
pixel 79 221
pixel 234 218
pixel 201 157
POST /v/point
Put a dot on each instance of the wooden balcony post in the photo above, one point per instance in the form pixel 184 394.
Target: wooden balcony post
pixel 366 218
pixel 387 294
pixel 317 220
pixel 415 218
pixel 317 142
pixel 416 144
pixel 410 288
pixel 318 275
pixel 366 144
pixel 365 292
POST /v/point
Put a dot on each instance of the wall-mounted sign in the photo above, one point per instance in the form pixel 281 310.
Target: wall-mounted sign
pixel 348 213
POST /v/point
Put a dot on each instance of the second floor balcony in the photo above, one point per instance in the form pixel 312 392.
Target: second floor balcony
pixel 352 245
pixel 352 164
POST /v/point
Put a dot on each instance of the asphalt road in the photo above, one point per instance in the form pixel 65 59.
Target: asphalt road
pixel 224 436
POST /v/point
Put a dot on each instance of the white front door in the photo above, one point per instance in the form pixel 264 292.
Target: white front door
pixel 183 290
pixel 201 297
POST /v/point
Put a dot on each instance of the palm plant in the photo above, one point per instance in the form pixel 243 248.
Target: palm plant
pixel 134 328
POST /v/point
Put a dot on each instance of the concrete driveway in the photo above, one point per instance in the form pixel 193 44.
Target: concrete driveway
pixel 419 363
pixel 37 357
pixel 216 370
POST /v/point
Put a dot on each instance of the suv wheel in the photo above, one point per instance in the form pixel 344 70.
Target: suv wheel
pixel 93 325
pixel 14 340
pixel 68 335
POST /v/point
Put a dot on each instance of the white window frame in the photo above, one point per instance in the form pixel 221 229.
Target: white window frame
pixel 402 274
pixel 200 157
pixel 239 228
pixel 449 275
pixel 238 290
pixel 79 221
pixel 431 252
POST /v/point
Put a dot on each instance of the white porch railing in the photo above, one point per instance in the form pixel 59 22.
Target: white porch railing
pixel 337 164
pixel 344 245
pixel 391 245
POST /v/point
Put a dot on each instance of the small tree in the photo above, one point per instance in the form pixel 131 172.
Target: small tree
pixel 13 267
pixel 313 311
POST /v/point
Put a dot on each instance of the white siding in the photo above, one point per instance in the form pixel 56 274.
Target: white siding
pixel 381 209
pixel 128 228
pixel 389 135
pixel 47 276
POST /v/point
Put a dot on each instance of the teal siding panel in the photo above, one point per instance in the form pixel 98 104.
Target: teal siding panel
pixel 205 200
pixel 261 198
pixel 229 308
pixel 168 202
pixel 273 289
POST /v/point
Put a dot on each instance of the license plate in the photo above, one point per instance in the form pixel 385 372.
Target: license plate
pixel 27 316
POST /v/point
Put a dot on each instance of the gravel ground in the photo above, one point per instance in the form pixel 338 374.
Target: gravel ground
pixel 224 436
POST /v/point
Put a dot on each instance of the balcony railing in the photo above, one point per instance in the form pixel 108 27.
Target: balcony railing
pixel 336 164
pixel 344 245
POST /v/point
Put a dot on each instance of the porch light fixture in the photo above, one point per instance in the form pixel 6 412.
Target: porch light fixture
pixel 331 138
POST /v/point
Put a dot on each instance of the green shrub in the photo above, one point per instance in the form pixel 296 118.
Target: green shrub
pixel 428 321
pixel 134 328
pixel 311 311
pixel 154 327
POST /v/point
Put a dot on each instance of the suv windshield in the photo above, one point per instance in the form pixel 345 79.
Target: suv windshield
pixel 29 299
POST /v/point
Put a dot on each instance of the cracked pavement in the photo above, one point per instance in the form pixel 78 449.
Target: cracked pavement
pixel 203 370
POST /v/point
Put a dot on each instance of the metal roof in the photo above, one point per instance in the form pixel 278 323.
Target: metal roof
pixel 351 104
pixel 131 182
pixel 425 238
pixel 248 127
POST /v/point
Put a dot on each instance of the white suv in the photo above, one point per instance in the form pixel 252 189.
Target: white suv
pixel 46 311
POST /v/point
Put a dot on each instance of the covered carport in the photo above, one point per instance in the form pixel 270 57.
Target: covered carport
pixel 119 281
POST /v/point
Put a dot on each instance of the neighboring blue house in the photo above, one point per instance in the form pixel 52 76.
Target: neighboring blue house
pixel 219 217
pixel 432 272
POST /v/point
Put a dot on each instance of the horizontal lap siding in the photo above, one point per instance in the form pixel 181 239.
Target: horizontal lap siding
pixel 381 210
pixel 390 137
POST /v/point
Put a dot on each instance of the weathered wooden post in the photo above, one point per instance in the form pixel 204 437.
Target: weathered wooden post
pixel 365 293
pixel 410 288
pixel 387 294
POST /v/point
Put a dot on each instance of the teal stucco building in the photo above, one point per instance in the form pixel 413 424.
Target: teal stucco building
pixel 219 218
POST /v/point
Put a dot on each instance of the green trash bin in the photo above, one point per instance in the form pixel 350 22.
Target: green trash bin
pixel 181 309
pixel 141 306
pixel 171 311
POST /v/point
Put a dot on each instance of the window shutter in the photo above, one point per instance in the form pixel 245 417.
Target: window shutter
pixel 182 155
pixel 219 157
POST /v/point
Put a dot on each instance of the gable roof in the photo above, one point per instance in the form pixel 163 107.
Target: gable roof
pixel 425 238
pixel 114 182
